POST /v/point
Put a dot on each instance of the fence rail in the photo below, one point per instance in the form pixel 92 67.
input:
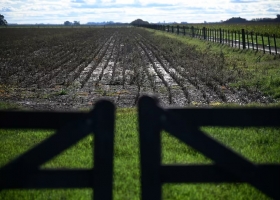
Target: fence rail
pixel 229 167
pixel 184 124
pixel 24 172
pixel 239 39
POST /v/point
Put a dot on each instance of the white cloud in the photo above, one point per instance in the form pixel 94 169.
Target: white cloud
pixel 58 11
pixel 90 1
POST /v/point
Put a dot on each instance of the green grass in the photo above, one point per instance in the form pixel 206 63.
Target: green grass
pixel 257 71
pixel 9 106
pixel 258 145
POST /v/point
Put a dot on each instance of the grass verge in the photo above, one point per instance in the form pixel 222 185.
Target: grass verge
pixel 258 145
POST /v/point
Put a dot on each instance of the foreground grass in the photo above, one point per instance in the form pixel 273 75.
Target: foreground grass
pixel 258 145
pixel 257 71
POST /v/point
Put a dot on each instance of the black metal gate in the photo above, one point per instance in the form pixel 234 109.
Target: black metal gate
pixel 184 124
pixel 24 172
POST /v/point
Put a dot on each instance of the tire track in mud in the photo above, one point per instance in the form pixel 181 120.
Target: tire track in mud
pixel 177 82
pixel 116 64
pixel 90 83
pixel 190 89
pixel 86 73
pixel 74 74
pixel 159 73
pixel 69 73
pixel 128 91
pixel 211 92
pixel 97 74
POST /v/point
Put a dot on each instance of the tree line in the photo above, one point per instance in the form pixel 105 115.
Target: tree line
pixel 68 23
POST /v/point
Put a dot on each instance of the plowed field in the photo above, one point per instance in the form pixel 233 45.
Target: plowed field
pixel 72 68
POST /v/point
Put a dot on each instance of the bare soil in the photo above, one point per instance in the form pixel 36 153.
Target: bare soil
pixel 120 64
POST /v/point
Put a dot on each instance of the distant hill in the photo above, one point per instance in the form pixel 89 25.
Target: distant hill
pixel 235 20
pixel 138 21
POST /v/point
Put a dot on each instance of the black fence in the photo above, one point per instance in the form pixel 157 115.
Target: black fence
pixel 24 172
pixel 239 39
pixel 228 167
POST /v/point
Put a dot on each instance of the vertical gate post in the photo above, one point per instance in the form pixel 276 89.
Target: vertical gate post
pixel 243 39
pixel 178 30
pixel 150 148
pixel 104 150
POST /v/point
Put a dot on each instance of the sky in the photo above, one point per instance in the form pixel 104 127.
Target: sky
pixel 191 11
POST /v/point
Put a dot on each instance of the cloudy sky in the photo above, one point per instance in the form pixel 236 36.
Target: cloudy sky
pixel 192 11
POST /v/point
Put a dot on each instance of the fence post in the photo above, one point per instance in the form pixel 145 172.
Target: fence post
pixel 252 41
pixel 275 46
pixel 257 45
pixel 232 38
pixel 247 34
pixel 220 30
pixel 172 29
pixel 184 29
pixel 243 39
pixel 150 148
pixel 269 44
pixel 178 30
pixel 216 35
pixel 238 39
pixel 227 33
pixel 263 44
pixel 203 33
pixel 192 31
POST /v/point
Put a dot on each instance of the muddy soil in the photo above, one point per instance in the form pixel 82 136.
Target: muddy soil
pixel 121 67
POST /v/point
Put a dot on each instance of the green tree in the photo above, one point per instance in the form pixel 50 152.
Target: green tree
pixel 3 22
pixel 76 23
pixel 67 23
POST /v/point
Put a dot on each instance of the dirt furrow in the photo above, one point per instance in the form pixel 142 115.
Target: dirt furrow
pixel 179 89
pixel 87 72
pixel 158 73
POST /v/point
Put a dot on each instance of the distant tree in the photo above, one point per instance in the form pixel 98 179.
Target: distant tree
pixel 67 23
pixel 138 22
pixel 76 23
pixel 277 18
pixel 3 22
